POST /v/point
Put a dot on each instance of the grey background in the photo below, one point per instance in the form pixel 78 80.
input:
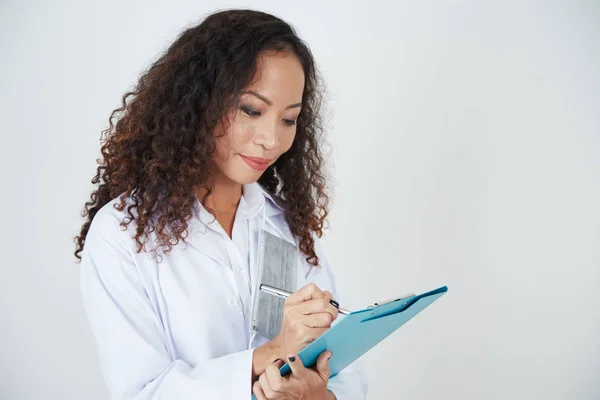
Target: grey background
pixel 466 148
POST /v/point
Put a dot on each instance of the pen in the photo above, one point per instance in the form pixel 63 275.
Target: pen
pixel 284 294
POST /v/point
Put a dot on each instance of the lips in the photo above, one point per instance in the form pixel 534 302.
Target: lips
pixel 256 163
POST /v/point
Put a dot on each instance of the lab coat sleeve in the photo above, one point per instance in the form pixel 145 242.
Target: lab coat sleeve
pixel 134 357
pixel 351 383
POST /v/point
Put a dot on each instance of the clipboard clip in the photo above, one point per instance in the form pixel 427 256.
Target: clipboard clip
pixel 403 297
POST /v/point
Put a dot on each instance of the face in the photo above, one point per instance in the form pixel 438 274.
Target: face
pixel 264 126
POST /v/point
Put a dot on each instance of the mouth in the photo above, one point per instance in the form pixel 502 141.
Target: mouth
pixel 256 163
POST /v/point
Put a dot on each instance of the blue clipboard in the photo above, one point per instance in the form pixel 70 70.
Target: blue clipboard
pixel 356 333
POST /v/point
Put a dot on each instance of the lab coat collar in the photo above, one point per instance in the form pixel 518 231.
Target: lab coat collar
pixel 254 197
pixel 202 224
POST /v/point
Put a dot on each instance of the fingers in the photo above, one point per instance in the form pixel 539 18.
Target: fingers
pixel 322 305
pixel 278 363
pixel 329 296
pixel 258 392
pixel 322 366
pixel 266 386
pixel 297 367
pixel 320 320
pixel 307 314
pixel 274 379
pixel 308 292
pixel 272 385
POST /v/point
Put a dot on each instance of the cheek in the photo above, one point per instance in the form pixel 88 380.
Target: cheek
pixel 239 135
pixel 286 142
pixel 233 141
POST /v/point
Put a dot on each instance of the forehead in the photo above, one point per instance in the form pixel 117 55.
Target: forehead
pixel 279 76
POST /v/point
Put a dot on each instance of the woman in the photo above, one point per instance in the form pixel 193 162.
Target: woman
pixel 219 144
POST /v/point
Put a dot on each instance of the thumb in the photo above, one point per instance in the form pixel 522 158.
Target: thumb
pixel 322 366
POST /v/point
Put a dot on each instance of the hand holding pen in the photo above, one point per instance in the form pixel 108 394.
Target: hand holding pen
pixel 307 314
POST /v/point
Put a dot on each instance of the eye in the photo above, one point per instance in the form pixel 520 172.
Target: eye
pixel 289 122
pixel 249 111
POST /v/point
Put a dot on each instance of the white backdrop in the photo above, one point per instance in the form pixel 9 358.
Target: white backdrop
pixel 466 139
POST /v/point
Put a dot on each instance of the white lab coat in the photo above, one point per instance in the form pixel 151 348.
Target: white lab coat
pixel 179 329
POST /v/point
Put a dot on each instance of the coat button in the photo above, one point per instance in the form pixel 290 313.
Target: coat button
pixel 232 302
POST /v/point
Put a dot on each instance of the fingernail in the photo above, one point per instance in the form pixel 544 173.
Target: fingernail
pixel 334 303
pixel 292 358
pixel 277 359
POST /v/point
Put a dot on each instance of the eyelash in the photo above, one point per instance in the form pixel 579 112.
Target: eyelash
pixel 253 113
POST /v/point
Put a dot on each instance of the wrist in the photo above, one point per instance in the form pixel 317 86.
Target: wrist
pixel 276 347
pixel 263 356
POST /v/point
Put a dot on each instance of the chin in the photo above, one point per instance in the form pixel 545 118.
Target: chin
pixel 246 178
pixel 249 180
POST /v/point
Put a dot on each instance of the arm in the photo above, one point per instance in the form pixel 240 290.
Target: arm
pixel 136 359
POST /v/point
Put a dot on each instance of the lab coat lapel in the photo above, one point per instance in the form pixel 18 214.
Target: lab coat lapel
pixel 203 236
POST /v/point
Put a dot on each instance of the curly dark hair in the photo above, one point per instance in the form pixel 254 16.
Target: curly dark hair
pixel 163 142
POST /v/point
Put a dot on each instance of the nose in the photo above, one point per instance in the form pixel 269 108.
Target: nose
pixel 267 136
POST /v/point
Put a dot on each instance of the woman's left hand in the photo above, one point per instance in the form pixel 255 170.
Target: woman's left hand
pixel 302 383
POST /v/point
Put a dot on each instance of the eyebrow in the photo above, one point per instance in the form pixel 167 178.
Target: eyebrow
pixel 269 102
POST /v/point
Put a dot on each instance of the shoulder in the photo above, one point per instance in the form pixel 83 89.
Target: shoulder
pixel 106 226
pixel 110 262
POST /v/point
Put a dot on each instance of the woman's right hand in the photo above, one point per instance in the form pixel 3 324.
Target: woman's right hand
pixel 307 314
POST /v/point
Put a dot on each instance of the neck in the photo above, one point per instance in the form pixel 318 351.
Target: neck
pixel 225 197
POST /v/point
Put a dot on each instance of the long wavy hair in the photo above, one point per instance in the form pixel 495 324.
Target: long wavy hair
pixel 163 142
